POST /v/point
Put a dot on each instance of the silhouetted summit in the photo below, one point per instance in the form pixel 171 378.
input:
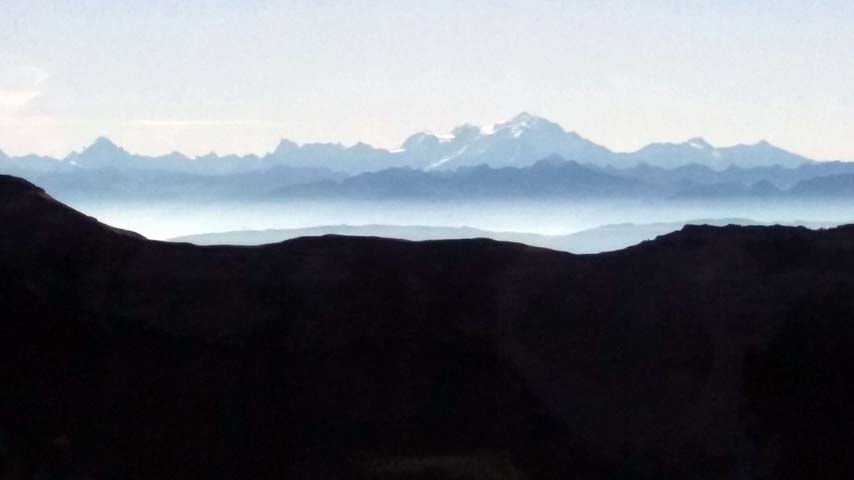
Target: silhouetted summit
pixel 707 353
pixel 14 188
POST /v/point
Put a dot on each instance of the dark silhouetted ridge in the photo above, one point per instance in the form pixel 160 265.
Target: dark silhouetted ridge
pixel 711 352
pixel 12 186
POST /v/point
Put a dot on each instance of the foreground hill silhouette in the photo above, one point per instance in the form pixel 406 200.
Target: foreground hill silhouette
pixel 707 353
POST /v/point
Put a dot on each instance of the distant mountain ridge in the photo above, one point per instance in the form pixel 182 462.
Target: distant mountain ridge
pixel 594 240
pixel 552 177
pixel 518 142
pixel 697 151
pixel 556 178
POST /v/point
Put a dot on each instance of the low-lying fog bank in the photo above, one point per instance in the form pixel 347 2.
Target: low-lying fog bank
pixel 551 222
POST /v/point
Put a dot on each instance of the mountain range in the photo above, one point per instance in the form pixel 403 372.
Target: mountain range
pixel 525 157
pixel 518 142
pixel 556 178
pixel 710 352
pixel 548 178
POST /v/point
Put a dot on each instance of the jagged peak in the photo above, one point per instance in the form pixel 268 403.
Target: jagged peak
pixel 699 143
pixel 324 146
pixel 760 144
pixel 207 156
pixel 417 139
pixel 285 146
pixel 527 120
pixel 523 117
pixel 465 130
pixel 174 155
pixel 104 142
pixel 421 135
pixel 553 160
pixel 362 146
pixel 517 124
pixel 103 145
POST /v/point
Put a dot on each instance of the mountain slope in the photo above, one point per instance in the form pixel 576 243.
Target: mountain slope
pixel 710 352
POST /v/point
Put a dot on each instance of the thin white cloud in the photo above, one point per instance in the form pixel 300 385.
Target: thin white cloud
pixel 17 76
pixel 19 85
pixel 13 99
pixel 39 121
pixel 173 123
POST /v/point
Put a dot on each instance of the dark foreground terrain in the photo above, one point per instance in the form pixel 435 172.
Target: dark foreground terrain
pixel 707 353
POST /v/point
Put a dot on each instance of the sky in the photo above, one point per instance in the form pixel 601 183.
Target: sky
pixel 235 76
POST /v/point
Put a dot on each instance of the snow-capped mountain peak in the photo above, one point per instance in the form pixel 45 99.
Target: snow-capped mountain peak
pixel 285 147
pixel 102 153
pixel 518 142
pixel 699 143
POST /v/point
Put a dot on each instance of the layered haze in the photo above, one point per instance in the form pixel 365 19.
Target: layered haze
pixel 524 175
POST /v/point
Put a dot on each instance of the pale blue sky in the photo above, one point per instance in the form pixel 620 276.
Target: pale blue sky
pixel 235 76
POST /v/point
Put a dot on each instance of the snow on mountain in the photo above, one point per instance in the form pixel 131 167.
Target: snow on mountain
pixel 518 142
